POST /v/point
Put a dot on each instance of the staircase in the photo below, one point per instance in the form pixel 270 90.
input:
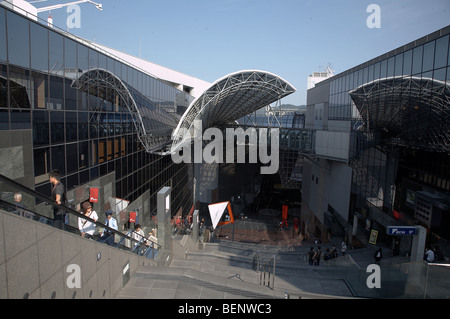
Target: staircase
pixel 227 270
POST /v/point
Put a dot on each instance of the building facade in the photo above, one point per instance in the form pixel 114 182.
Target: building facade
pixel 382 146
pixel 66 104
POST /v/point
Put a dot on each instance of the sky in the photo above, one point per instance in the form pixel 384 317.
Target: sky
pixel 209 39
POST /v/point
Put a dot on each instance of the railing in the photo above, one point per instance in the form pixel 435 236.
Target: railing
pixel 266 269
pixel 34 205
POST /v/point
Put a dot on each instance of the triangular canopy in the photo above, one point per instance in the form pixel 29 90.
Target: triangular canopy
pixel 216 211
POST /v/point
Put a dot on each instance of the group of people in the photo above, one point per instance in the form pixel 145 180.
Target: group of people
pixel 87 227
pixel 316 254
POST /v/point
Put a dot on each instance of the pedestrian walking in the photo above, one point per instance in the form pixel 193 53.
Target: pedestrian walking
pixel 317 256
pixel 311 254
pixel 343 248
pixel 378 256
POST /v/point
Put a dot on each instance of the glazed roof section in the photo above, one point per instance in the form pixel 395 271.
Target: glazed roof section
pixel 410 111
pixel 153 124
pixel 229 99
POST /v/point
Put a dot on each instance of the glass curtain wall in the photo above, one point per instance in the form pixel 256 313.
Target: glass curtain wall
pixel 82 133
pixel 430 60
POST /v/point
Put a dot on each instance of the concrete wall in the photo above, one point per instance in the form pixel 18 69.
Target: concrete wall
pixel 35 259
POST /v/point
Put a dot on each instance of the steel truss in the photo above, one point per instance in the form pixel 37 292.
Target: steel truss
pixel 153 124
pixel 406 111
pixel 229 99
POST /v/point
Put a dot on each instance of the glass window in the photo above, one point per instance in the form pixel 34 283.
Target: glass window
pixel 72 157
pixel 376 71
pixel 70 59
pixel 58 159
pixel 417 60
pixel 70 95
pixel 93 59
pixel 4 120
pixel 83 156
pixel 20 119
pixel 39 47
pixel 18 39
pixel 102 61
pixel 407 62
pixel 439 74
pixel 71 126
pixel 57 127
pixel 383 69
pixel 82 55
pixel 56 58
pixel 83 127
pixel 56 71
pixel 40 128
pixel 55 101
pixel 41 160
pixel 390 66
pixel 440 57
pixel 3 55
pixel 398 65
pixel 428 56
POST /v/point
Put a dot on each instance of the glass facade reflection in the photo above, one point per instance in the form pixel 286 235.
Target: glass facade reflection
pixel 399 136
pixel 86 133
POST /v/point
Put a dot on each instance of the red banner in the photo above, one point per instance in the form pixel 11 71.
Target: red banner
pixel 93 195
pixel 132 217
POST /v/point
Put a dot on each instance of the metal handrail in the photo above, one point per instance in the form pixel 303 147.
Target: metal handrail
pixel 68 209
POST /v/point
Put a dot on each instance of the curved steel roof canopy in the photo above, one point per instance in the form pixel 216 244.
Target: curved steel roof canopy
pixel 230 98
pixel 153 124
pixel 409 111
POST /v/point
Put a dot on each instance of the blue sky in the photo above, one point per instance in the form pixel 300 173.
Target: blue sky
pixel 208 39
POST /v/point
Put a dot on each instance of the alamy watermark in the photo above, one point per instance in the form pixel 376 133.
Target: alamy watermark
pixel 74 278
pixel 374 279
pixel 374 19
pixel 258 142
pixel 74 17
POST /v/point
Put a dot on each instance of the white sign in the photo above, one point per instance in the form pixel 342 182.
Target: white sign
pixel 216 212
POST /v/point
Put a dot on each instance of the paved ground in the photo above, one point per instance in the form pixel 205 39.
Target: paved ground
pixel 227 269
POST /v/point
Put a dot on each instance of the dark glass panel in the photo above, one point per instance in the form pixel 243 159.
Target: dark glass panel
pixel 41 160
pixel 72 181
pixel 398 65
pixel 83 59
pixel 93 59
pixel 41 128
pixel 58 159
pixel 71 126
pixel 2 35
pixel 70 73
pixel 18 39
pixel 83 151
pixel 20 119
pixel 72 157
pixel 56 71
pixel 70 59
pixel 39 48
pixel 390 66
pixel 57 127
pixel 93 172
pixel 440 58
pixel 4 120
pixel 407 62
pixel 70 95
pixel 56 58
pixel 55 100
pixel 83 125
pixel 417 60
pixel 84 177
pixel 428 56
